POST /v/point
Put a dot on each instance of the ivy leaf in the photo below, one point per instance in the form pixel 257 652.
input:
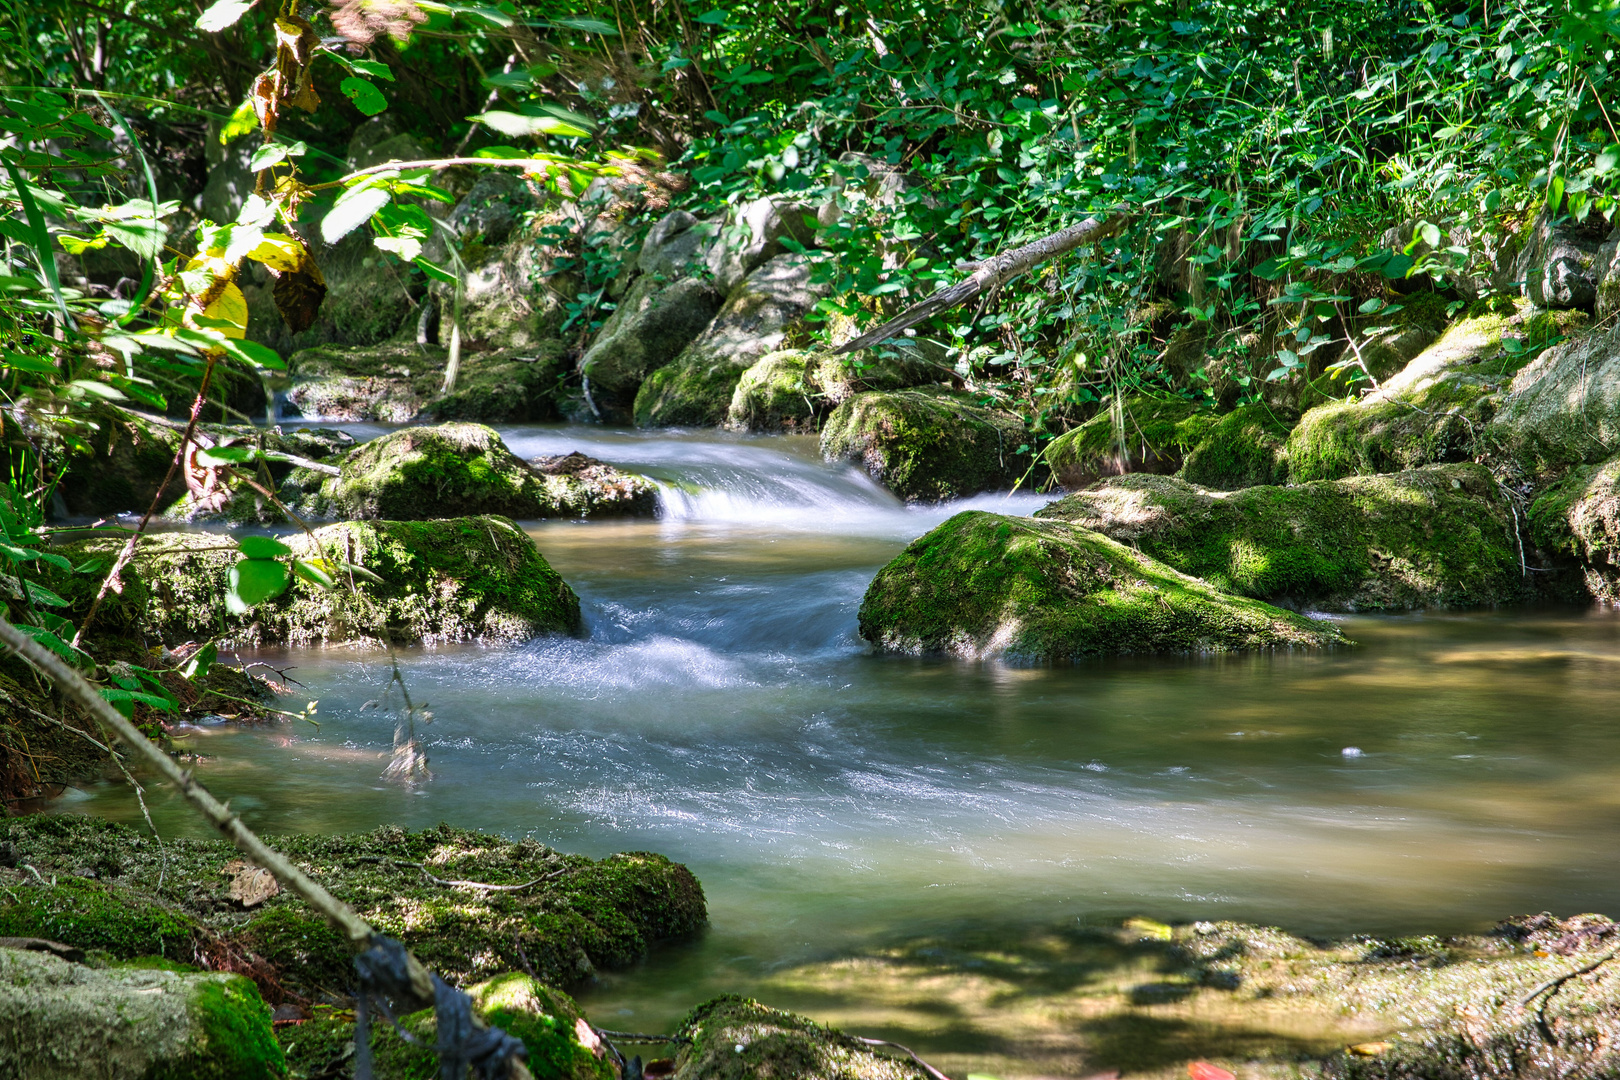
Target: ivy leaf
pixel 253 581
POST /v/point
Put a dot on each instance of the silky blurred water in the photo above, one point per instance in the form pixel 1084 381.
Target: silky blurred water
pixel 1448 771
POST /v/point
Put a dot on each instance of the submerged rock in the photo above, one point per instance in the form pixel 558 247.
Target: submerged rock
pixel 401 382
pixel 1444 536
pixel 60 1019
pixel 454 470
pixel 928 446
pixel 733 1038
pixel 546 1019
pixel 578 915
pixel 1034 591
pixel 459 579
pixel 1138 434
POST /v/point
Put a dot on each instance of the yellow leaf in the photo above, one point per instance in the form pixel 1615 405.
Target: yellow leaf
pixel 1148 929
pixel 1369 1049
pixel 231 307
pixel 278 252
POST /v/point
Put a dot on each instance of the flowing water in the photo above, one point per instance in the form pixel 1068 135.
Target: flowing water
pixel 918 847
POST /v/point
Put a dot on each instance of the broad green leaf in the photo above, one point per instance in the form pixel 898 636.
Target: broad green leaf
pixel 1429 233
pixel 262 547
pixel 199 662
pixel 352 210
pixel 38 365
pixel 590 26
pixel 314 571
pixel 373 68
pixel 437 273
pixel 253 581
pixel 223 14
pixel 215 456
pixel 39 594
pixel 516 124
pixel 365 95
pixel 242 121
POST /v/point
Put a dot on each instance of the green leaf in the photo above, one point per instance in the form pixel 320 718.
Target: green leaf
pixel 1270 270
pixel 251 352
pixel 253 581
pixel 267 155
pixel 713 18
pixel 373 68
pixel 437 273
pixel 1429 233
pixel 226 455
pixel 223 14
pixel 352 210
pixel 39 594
pixel 516 124
pixel 365 95
pixel 23 362
pixel 262 547
pixel 313 573
pixel 1555 194
pixel 199 662
pixel 590 26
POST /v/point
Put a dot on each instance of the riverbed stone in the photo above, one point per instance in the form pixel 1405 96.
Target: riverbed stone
pixel 696 388
pixel 1136 434
pixel 457 579
pixel 1032 591
pixel 653 323
pixel 929 446
pixel 129 454
pixel 578 916
pixel 400 382
pixel 62 1020
pixel 1444 536
pixel 734 1038
pixel 1559 261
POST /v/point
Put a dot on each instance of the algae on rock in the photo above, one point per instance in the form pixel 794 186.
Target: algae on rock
pixel 1247 447
pixel 1578 519
pixel 928 446
pixel 774 395
pixel 1445 536
pixel 1563 409
pixel 459 579
pixel 983 585
pixel 61 1021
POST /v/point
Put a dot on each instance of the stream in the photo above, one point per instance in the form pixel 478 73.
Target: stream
pixel 920 848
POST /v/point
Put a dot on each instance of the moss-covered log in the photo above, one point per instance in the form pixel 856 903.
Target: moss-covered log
pixel 1445 536
pixel 983 585
pixel 459 579
pixel 116 895
pixel 928 446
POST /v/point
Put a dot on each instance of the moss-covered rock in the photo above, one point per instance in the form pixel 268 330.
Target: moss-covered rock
pixel 927 446
pixel 92 916
pixel 578 915
pixel 399 382
pixel 1562 410
pixel 61 1019
pixel 129 456
pixel 775 395
pixel 462 469
pixel 459 579
pixel 1444 536
pixel 1433 411
pixel 984 585
pixel 1245 448
pixel 733 1038
pixel 696 388
pixel 653 323
pixel 898 365
pixel 1138 434
pixel 546 1019
pixel 1578 519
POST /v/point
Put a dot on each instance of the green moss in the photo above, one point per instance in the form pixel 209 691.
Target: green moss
pixel 234 1041
pixel 688 393
pixel 927 446
pixel 1140 434
pixel 984 585
pixel 1442 536
pixel 584 914
pixel 1245 448
pixel 733 1038
pixel 399 382
pixel 89 915
pixel 452 580
pixel 1577 520
pixel 774 395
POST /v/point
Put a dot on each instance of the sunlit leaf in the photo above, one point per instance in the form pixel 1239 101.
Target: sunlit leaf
pixel 517 124
pixel 262 547
pixel 253 581
pixel 353 209
pixel 365 95
pixel 223 14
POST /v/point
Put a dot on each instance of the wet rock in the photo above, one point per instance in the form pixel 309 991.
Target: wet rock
pixel 587 914
pixel 1559 261
pixel 61 1019
pixel 1137 434
pixel 927 446
pixel 1578 519
pixel 401 382
pixel 733 1038
pixel 696 388
pixel 1033 591
pixel 455 470
pixel 1444 536
pixel 775 395
pixel 458 579
pixel 1245 448
pixel 653 323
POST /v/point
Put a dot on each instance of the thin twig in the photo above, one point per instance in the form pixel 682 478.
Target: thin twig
pixel 1551 988
pixel 927 1068
pixel 453 882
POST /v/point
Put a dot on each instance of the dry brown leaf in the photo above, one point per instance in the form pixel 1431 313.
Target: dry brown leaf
pixel 298 293
pixel 250 885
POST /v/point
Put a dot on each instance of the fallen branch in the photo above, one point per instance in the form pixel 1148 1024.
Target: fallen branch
pixel 993 273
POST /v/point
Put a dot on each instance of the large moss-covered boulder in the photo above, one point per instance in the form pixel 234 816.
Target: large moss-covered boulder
pixel 1578 520
pixel 576 914
pixel 927 446
pixel 775 395
pixel 1136 434
pixel 1432 411
pixel 653 323
pixel 1444 536
pixel 1563 409
pixel 696 388
pixel 984 585
pixel 895 365
pixel 733 1038
pixel 61 1021
pixel 454 470
pixel 546 1019
pixel 399 382
pixel 458 579
pixel 1245 448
